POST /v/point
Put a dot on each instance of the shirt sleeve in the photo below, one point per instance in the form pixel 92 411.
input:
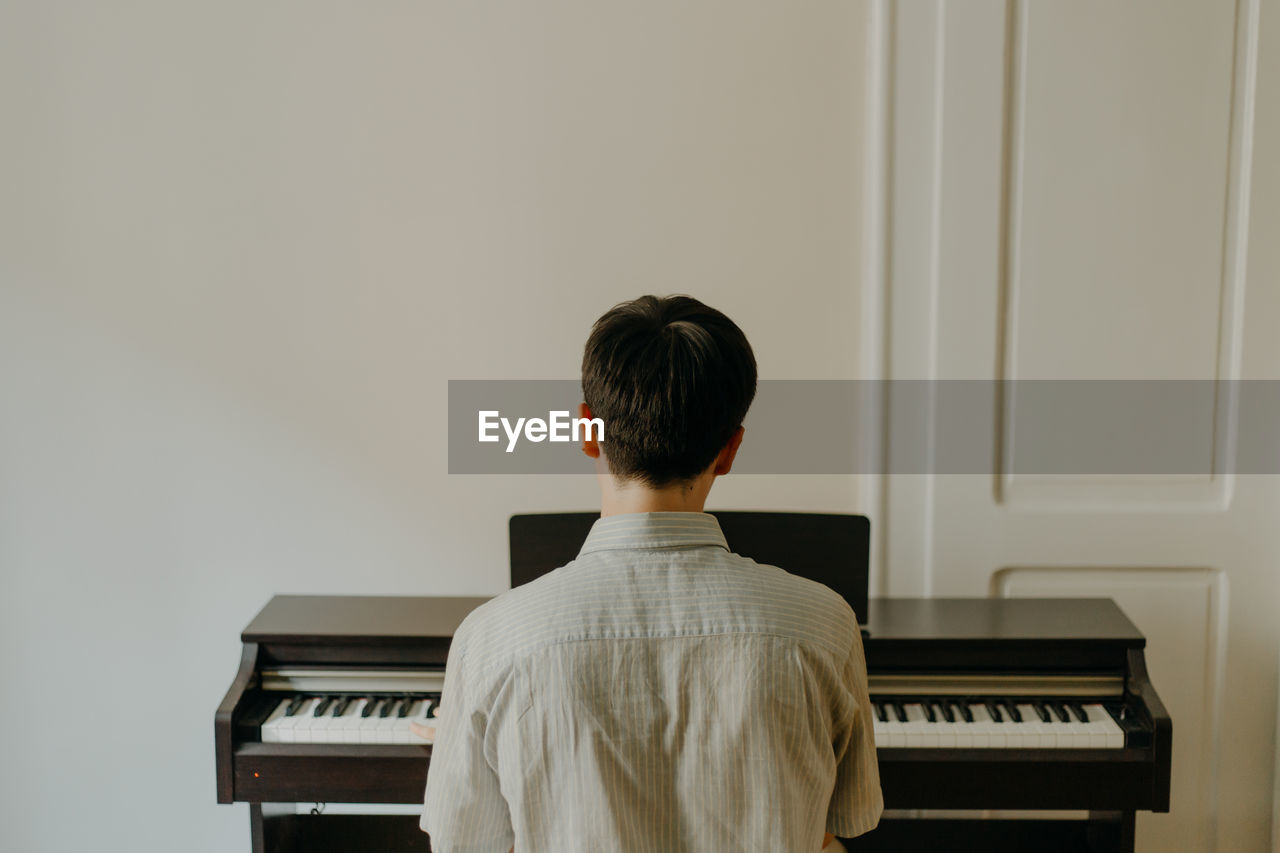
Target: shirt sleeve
pixel 463 808
pixel 856 800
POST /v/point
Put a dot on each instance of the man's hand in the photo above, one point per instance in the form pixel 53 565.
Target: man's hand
pixel 427 733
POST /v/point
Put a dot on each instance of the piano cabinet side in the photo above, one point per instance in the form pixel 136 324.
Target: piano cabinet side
pixel 223 741
pixel 1141 688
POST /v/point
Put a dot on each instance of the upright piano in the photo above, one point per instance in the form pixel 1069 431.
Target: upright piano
pixel 1028 707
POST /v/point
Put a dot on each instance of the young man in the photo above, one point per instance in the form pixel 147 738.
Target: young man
pixel 659 693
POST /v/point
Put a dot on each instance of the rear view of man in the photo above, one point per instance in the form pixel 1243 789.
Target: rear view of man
pixel 659 693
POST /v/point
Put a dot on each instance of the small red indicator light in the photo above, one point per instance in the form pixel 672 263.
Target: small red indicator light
pixel 255 775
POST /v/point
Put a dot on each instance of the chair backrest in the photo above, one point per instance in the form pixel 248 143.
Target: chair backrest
pixel 828 548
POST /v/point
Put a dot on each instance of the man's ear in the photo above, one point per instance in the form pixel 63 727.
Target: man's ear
pixel 724 461
pixel 590 446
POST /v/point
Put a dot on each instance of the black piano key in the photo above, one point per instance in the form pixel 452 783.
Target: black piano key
pixel 388 706
pixel 370 707
pixel 881 714
pixel 1011 708
pixel 993 708
pixel 295 705
pixel 965 713
pixel 1078 710
pixel 1041 710
pixel 1061 710
pixel 342 705
pixel 945 707
pixel 901 711
pixel 405 705
pixel 928 712
pixel 323 706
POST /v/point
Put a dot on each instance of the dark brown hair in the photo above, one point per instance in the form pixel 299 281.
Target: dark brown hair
pixel 672 379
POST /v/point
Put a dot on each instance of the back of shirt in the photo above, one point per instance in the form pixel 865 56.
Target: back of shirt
pixel 659 693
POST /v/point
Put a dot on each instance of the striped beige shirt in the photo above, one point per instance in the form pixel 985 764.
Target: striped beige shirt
pixel 659 693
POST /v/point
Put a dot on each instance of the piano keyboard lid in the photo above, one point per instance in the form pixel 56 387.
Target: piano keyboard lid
pixel 1009 634
pixel 325 619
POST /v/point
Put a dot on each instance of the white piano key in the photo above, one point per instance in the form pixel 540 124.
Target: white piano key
pixel 271 726
pixel 385 728
pixel 300 721
pixel 970 733
pixel 1053 729
pixel 401 731
pixel 343 729
pixel 294 730
pixel 1075 732
pixel 1049 730
pixel 1096 725
pixel 1033 733
pixel 1103 728
pixel 352 722
pixel 880 728
pixel 318 729
pixel 333 728
pixel 996 733
pixel 890 733
pixel 919 731
pixel 948 732
pixel 338 729
pixel 1024 733
pixel 980 736
pixel 897 730
pixel 300 731
pixel 369 724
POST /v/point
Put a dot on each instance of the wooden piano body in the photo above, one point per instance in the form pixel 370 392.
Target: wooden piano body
pixel 1051 652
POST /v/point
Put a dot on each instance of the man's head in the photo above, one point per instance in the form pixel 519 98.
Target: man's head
pixel 672 379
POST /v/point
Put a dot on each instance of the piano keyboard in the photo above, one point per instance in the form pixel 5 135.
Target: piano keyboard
pixel 995 724
pixel 945 723
pixel 349 719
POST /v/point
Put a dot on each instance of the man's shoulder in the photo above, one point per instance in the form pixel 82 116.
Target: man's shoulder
pixel 819 594
pixel 499 625
pixel 813 610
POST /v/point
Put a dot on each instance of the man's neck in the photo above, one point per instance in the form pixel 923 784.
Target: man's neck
pixel 631 496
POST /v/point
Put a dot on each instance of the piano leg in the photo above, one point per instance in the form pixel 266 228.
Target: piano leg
pixel 256 834
pixel 273 828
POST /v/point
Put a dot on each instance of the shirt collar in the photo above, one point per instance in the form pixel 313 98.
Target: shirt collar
pixel 646 530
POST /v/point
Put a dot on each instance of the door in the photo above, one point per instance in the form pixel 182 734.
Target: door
pixel 1075 191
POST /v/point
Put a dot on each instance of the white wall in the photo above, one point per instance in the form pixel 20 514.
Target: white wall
pixel 242 248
